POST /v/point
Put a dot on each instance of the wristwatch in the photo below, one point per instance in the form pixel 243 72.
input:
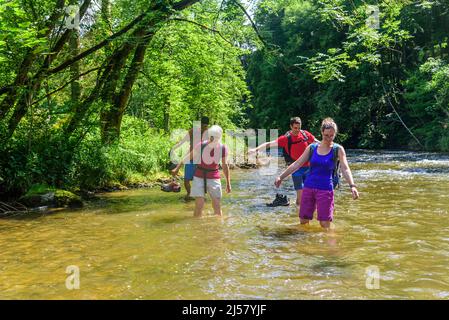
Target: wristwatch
pixel 352 186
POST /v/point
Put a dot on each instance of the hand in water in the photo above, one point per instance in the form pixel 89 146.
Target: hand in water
pixel 277 182
pixel 355 193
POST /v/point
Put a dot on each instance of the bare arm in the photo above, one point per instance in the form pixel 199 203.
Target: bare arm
pixel 294 166
pixel 182 141
pixel 226 173
pixel 346 171
pixel 270 144
pixel 186 158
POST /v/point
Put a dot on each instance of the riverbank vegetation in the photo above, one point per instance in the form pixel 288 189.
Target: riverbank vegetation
pixel 96 105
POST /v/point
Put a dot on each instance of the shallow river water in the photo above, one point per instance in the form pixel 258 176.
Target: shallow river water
pixel 144 244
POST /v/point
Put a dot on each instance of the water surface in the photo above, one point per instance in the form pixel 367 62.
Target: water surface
pixel 145 244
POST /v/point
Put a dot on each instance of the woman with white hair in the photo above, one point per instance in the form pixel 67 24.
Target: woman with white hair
pixel 207 156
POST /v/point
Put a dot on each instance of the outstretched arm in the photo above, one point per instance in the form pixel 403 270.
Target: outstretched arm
pixel 270 144
pixel 346 171
pixel 182 141
pixel 293 167
pixel 186 158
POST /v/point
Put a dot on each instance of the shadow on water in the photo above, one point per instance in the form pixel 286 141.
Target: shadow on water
pixel 288 233
pixel 139 201
pixel 37 214
pixel 333 267
pixel 161 221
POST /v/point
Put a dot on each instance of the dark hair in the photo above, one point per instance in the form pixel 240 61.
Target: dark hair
pixel 295 120
pixel 204 120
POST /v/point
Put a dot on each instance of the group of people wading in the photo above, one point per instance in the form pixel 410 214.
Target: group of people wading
pixel 311 163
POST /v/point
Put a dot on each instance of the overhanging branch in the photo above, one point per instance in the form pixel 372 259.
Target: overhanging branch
pixel 65 85
pixel 204 27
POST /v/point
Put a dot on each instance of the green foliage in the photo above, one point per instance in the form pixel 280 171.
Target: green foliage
pixel 141 153
pixel 427 95
pixel 191 72
pixel 192 67
pixel 331 60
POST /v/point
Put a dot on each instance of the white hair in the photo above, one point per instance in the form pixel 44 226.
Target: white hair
pixel 216 132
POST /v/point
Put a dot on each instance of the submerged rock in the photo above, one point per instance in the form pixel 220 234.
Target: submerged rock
pixel 51 198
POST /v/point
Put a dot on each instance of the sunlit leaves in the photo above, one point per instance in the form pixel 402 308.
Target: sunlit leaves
pixel 327 67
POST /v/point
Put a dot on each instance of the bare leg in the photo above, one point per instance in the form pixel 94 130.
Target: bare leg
pixel 325 224
pixel 298 197
pixel 304 221
pixel 216 204
pixel 188 187
pixel 199 205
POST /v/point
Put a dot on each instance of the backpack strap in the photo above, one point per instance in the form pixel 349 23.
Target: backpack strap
pixel 306 137
pixel 204 170
pixel 289 143
pixel 335 172
pixel 313 146
pixel 335 149
pixel 290 140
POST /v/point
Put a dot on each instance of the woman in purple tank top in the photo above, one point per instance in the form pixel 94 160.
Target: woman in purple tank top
pixel 318 192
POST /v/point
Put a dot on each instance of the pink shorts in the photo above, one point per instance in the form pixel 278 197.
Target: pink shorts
pixel 321 200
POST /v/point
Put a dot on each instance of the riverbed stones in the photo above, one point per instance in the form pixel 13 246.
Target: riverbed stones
pixel 51 198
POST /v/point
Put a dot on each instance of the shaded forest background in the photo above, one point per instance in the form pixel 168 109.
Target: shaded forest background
pixel 93 104
pixel 386 84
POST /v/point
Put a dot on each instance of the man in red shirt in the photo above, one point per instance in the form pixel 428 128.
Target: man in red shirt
pixel 294 143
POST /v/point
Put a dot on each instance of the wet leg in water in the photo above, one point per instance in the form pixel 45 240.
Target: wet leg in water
pixel 217 206
pixel 326 225
pixel 199 205
pixel 188 189
pixel 298 198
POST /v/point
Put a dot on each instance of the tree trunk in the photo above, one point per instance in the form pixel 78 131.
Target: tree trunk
pixel 82 109
pixel 75 69
pixel 13 91
pixel 113 117
pixel 33 85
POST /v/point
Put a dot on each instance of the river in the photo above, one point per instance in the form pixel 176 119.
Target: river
pixel 392 243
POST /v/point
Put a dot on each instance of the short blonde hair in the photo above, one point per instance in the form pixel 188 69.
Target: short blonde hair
pixel 329 123
pixel 216 132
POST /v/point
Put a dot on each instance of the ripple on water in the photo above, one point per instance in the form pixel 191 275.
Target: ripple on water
pixel 146 244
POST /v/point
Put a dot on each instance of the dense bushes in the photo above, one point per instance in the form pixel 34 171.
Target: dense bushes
pixel 328 61
pixel 104 117
pixel 427 95
pixel 141 153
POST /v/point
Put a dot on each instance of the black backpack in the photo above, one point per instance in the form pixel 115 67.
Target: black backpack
pixel 286 153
